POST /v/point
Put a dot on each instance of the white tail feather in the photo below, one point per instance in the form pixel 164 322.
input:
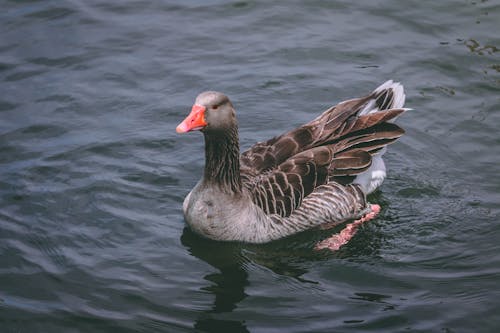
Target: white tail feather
pixel 398 97
pixel 373 177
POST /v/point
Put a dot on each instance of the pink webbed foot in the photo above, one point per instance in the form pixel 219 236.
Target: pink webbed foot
pixel 334 242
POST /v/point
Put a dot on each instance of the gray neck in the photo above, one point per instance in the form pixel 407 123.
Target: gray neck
pixel 222 160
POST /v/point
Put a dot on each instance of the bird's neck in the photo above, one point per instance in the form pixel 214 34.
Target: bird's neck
pixel 222 160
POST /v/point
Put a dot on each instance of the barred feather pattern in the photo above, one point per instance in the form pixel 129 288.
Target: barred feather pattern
pixel 331 204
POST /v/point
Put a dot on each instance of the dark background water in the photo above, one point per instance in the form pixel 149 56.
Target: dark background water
pixel 92 173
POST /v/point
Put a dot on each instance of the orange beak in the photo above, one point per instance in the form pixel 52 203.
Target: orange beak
pixel 194 121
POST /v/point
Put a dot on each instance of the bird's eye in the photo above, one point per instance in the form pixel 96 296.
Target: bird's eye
pixel 215 107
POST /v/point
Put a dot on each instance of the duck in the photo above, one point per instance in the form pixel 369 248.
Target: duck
pixel 316 176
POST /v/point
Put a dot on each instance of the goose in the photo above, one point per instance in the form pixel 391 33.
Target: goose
pixel 315 176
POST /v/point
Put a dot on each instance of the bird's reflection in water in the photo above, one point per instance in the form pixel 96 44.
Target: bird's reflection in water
pixel 291 257
pixel 229 283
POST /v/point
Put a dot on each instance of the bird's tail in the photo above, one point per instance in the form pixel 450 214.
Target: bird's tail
pixel 389 95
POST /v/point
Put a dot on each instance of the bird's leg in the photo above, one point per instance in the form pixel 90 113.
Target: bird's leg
pixel 334 242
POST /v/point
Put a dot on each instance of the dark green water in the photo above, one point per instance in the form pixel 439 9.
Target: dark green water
pixel 92 173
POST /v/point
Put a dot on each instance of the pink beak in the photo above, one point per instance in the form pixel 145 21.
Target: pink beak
pixel 194 121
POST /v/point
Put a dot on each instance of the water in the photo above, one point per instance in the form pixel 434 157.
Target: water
pixel 92 173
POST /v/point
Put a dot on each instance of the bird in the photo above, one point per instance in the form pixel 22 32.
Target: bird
pixel 317 175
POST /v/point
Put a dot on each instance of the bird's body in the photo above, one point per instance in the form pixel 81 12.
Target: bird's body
pixel 316 175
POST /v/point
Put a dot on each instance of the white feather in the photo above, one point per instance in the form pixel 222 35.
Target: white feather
pixel 373 177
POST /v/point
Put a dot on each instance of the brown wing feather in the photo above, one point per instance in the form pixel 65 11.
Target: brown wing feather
pixel 350 163
pixel 268 155
pixel 335 146
pixel 282 190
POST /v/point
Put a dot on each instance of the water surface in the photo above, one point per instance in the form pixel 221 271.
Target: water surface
pixel 92 173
